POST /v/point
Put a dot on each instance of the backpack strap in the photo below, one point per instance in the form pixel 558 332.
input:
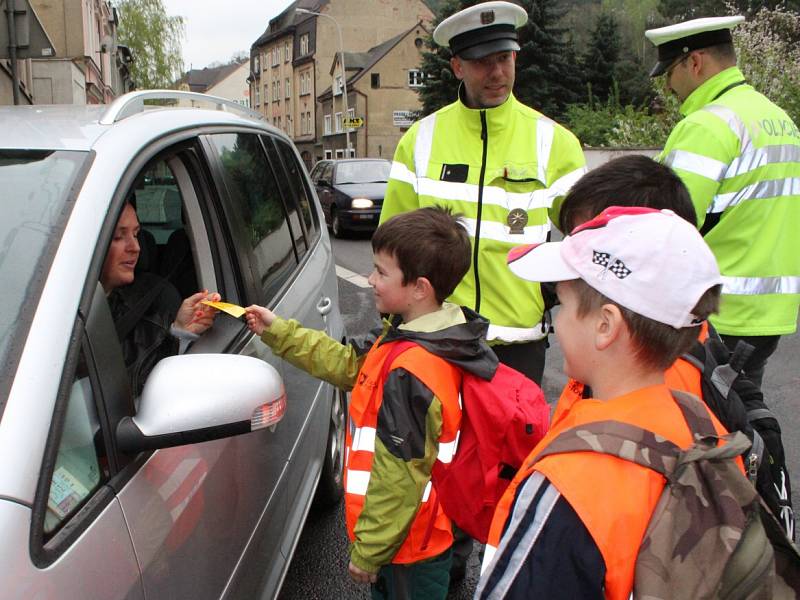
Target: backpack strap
pixel 397 348
pixel 695 413
pixel 641 446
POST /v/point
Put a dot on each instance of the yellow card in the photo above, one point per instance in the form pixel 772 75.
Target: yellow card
pixel 232 309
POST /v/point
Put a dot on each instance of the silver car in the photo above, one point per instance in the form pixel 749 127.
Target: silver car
pixel 199 487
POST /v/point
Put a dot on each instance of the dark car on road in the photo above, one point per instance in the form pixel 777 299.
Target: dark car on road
pixel 351 192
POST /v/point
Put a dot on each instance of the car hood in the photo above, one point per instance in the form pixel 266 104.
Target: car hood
pixel 373 191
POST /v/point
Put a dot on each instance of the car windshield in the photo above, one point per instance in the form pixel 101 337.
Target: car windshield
pixel 36 192
pixel 367 171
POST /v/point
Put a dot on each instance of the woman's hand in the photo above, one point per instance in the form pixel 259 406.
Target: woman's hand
pixel 195 317
pixel 258 318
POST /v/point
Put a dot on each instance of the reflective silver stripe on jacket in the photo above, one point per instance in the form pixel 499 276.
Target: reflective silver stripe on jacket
pixel 515 334
pixel 545 130
pixel 423 144
pixel 734 123
pixel 525 543
pixel 769 188
pixel 499 232
pixel 752 286
pixel 760 157
pixel 697 164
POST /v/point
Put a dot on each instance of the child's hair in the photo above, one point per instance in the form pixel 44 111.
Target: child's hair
pixel 658 345
pixel 429 242
pixel 633 180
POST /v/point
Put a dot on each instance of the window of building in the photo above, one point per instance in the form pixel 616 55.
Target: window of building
pixel 327 129
pixel 289 126
pixel 258 96
pixel 328 154
pixel 302 123
pixel 310 124
pixel 280 123
pixel 339 153
pixel 287 51
pixel 375 80
pixel 351 113
pixel 256 63
pixel 265 60
pixel 266 93
pixel 337 85
pixel 304 44
pixel 288 86
pixel 338 122
pixel 415 78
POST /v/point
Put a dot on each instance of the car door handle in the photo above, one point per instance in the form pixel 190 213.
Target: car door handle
pixel 324 306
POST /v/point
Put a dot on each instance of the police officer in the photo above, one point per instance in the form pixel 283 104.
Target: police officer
pixel 739 155
pixel 501 164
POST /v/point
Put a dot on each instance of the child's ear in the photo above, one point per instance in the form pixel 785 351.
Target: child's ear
pixel 609 325
pixel 423 288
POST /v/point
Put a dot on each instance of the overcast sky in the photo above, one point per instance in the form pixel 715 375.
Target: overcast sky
pixel 216 30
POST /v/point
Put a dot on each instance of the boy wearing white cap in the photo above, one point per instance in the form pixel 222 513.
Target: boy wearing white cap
pixel 635 285
pixel 739 156
pixel 501 164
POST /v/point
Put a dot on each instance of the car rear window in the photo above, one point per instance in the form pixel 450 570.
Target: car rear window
pixel 37 189
pixel 368 171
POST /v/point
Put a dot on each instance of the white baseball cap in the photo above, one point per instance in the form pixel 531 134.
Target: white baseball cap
pixel 673 41
pixel 482 29
pixel 651 262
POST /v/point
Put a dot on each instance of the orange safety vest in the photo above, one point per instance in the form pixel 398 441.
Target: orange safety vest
pixel 425 539
pixel 614 498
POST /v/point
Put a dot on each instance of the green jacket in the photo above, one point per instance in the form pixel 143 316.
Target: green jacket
pixel 399 473
pixel 485 164
pixel 739 155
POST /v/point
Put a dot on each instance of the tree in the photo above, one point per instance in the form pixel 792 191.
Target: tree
pixel 154 39
pixel 599 62
pixel 678 10
pixel 546 75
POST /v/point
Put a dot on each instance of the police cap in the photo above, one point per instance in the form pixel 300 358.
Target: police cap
pixel 676 40
pixel 482 29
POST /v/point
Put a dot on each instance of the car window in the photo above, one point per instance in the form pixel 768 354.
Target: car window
pixel 256 197
pixel 158 201
pixel 317 171
pixel 81 466
pixel 368 171
pixel 327 174
pixel 36 188
pixel 302 192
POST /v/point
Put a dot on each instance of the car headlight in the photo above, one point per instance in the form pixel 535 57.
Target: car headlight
pixel 361 203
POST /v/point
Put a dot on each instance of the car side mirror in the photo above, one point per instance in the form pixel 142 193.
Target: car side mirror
pixel 195 398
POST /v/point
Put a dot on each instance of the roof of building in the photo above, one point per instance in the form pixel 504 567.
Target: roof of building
pixel 364 61
pixel 199 80
pixel 284 22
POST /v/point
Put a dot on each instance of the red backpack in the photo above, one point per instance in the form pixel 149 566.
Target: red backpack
pixel 501 422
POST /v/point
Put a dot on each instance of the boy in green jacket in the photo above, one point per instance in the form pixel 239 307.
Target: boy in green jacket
pixel 403 416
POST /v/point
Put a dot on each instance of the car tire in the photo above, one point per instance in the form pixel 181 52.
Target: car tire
pixel 331 481
pixel 336 224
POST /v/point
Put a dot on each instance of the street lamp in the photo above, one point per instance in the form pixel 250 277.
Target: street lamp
pixel 344 73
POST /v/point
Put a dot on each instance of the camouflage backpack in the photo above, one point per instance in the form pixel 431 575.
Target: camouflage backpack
pixel 710 535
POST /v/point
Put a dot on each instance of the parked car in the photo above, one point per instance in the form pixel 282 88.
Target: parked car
pixel 200 487
pixel 351 192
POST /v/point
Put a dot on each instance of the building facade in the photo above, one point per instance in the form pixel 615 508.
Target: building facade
pixel 290 63
pixel 382 98
pixel 89 66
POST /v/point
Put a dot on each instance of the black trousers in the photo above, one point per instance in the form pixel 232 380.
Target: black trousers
pixel 764 346
pixel 527 358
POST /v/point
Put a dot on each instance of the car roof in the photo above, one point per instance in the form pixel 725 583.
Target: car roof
pixel 76 127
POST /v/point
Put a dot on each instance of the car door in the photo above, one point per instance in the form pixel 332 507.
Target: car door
pixel 77 524
pixel 199 514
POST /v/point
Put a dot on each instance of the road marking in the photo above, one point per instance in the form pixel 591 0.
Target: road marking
pixel 353 278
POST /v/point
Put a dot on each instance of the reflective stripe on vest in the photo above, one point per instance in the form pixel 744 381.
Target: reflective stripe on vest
pixel 443 380
pixel 516 334
pixel 770 188
pixel 424 144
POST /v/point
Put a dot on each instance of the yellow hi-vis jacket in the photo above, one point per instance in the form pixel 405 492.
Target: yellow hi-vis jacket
pixel 739 155
pixel 484 164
